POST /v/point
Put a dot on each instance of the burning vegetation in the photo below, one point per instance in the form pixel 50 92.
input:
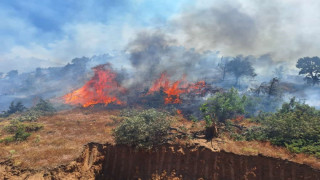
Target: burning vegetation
pixel 174 90
pixel 102 88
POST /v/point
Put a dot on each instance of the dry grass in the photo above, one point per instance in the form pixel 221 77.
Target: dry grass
pixel 243 147
pixel 256 147
pixel 62 138
pixel 64 134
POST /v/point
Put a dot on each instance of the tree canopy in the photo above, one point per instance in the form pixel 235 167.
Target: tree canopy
pixel 310 67
pixel 240 66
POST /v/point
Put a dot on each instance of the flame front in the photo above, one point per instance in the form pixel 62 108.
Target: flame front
pixel 173 90
pixel 102 88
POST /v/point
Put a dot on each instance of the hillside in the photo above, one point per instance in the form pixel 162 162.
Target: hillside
pixel 65 135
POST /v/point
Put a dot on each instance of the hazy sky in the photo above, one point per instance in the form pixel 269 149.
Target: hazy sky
pixel 45 33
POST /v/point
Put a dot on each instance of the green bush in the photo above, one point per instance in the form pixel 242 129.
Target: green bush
pixel 29 116
pixel 293 121
pixel 296 126
pixel 20 130
pixel 14 126
pixel 20 134
pixel 223 106
pixel 304 146
pixel 32 127
pixel 13 108
pixel 145 128
pixel 43 108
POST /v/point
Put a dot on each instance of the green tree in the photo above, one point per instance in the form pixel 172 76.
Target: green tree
pixel 220 107
pixel 13 108
pixel 240 66
pixel 310 67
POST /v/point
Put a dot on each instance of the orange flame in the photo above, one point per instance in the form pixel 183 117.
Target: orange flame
pixel 175 89
pixel 198 87
pixel 101 88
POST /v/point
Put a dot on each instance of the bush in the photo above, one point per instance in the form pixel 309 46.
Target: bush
pixel 13 108
pixel 14 126
pixel 293 121
pixel 29 116
pixel 44 108
pixel 143 129
pixel 223 106
pixel 40 109
pixel 21 131
pixel 19 134
pixel 296 126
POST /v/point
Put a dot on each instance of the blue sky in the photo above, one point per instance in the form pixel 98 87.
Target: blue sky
pixel 52 32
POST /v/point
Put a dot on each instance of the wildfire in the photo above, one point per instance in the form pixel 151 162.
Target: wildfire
pixel 198 87
pixel 102 88
pixel 173 90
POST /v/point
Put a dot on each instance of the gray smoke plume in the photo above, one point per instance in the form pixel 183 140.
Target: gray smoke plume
pixel 154 53
pixel 283 29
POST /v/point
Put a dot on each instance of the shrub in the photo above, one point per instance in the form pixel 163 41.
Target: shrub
pixel 143 129
pixel 296 126
pixel 14 126
pixel 40 109
pixel 29 116
pixel 44 108
pixel 293 121
pixel 13 108
pixel 223 106
pixel 32 127
pixel 20 130
pixel 19 135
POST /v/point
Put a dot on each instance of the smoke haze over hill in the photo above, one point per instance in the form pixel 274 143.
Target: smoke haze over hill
pixel 183 38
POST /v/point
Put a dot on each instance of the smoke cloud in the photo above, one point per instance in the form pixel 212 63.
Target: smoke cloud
pixel 154 53
pixel 283 29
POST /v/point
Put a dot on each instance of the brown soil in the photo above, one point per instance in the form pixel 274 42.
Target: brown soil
pixel 107 161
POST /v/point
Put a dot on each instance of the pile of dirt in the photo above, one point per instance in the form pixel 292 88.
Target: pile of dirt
pixel 106 161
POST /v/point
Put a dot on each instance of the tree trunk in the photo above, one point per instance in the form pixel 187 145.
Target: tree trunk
pixel 211 132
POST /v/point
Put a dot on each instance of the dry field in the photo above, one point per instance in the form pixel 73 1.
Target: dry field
pixel 61 139
pixel 64 134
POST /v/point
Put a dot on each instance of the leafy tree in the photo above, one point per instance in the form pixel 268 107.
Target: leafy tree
pixel 145 128
pixel 44 107
pixel 13 108
pixel 222 106
pixel 240 67
pixel 310 67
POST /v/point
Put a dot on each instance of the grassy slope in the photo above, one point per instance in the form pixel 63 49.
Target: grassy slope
pixel 64 134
